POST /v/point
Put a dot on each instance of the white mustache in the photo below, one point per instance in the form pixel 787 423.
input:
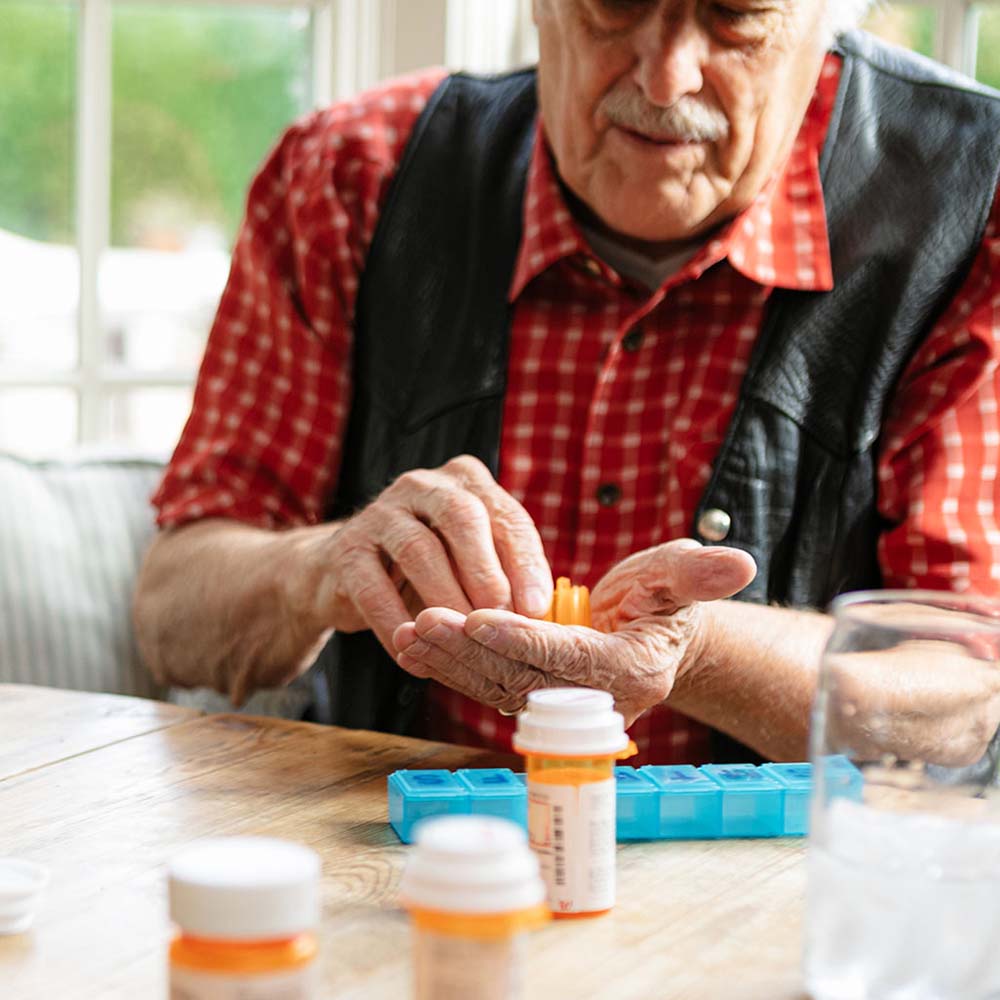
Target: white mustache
pixel 689 120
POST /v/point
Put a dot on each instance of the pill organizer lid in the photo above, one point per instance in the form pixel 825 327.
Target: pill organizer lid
pixel 471 865
pixel 570 721
pixel 245 888
pixel 21 886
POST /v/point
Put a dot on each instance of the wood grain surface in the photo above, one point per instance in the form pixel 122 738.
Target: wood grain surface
pixel 39 726
pixel 698 920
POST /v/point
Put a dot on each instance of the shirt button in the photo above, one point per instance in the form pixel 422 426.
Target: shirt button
pixel 714 524
pixel 608 494
pixel 592 266
pixel 632 340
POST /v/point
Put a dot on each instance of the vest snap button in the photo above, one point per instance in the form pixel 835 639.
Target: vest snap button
pixel 714 524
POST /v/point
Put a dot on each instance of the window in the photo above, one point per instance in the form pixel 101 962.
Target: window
pixel 130 130
pixel 964 35
pixel 986 20
pixel 911 25
pixel 134 129
pixel 37 225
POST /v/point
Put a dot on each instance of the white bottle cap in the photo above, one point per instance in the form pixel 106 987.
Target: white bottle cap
pixel 245 889
pixel 471 865
pixel 575 722
pixel 21 886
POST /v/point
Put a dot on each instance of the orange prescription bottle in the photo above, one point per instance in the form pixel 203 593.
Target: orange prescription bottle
pixel 473 891
pixel 245 910
pixel 571 738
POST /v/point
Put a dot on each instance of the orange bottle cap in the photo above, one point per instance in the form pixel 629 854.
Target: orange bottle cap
pixel 570 604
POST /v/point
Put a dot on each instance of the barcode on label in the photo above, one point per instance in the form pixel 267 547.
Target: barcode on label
pixel 559 845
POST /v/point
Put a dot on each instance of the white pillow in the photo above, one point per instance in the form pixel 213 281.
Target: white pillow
pixel 72 536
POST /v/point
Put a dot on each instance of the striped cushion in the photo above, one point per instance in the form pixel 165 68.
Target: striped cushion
pixel 72 535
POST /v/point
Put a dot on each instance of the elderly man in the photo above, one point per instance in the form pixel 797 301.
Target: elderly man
pixel 703 275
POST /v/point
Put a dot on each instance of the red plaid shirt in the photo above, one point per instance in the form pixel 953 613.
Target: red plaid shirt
pixel 632 388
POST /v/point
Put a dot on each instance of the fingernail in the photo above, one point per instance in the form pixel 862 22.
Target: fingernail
pixel 438 634
pixel 537 600
pixel 484 634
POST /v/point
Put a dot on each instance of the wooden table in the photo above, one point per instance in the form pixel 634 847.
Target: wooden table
pixel 104 790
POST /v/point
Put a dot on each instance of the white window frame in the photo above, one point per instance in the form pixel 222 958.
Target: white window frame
pixel 355 43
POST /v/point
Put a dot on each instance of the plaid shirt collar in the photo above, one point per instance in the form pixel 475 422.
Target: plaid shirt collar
pixel 780 240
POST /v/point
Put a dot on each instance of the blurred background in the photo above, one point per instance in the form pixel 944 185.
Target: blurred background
pixel 130 131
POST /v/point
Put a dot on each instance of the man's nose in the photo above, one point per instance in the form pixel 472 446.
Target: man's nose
pixel 670 51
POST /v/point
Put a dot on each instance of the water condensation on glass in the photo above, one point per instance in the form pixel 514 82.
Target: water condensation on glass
pixel 37 232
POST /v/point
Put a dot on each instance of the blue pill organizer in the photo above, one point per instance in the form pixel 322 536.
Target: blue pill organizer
pixel 655 802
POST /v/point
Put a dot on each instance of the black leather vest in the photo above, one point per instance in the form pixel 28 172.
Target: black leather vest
pixel 909 169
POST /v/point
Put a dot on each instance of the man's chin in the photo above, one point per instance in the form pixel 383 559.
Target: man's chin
pixel 665 221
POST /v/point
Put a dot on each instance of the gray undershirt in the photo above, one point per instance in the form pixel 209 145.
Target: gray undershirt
pixel 645 269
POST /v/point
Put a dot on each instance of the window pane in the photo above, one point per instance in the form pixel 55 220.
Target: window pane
pixel 911 25
pixel 200 94
pixel 988 45
pixel 148 419
pixel 37 422
pixel 38 259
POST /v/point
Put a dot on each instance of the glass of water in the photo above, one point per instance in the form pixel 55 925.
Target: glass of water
pixel 904 853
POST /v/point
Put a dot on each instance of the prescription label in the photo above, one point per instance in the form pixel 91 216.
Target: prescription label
pixel 190 984
pixel 449 967
pixel 572 830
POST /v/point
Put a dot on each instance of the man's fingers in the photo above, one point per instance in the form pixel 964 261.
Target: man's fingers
pixel 568 652
pixel 680 573
pixel 714 572
pixel 436 646
pixel 423 561
pixel 463 521
pixel 455 529
pixel 520 548
pixel 377 600
pixel 515 537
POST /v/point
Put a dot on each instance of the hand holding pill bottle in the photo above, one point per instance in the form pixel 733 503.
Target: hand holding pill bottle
pixel 473 890
pixel 245 909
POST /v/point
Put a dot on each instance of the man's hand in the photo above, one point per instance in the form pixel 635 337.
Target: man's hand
pixel 450 537
pixel 647 607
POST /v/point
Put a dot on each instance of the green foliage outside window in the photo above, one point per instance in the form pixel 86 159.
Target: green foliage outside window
pixel 988 47
pixel 199 95
pixel 37 85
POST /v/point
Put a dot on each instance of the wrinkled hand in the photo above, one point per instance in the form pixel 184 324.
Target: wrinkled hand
pixel 920 701
pixel 449 536
pixel 647 608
